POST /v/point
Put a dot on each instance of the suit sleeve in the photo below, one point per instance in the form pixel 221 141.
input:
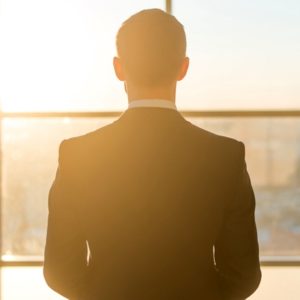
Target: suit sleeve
pixel 236 249
pixel 65 261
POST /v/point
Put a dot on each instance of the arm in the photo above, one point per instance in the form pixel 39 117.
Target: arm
pixel 65 262
pixel 236 249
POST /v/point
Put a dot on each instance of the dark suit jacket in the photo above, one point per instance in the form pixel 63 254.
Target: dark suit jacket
pixel 163 210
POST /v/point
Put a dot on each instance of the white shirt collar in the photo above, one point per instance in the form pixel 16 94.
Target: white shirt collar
pixel 160 103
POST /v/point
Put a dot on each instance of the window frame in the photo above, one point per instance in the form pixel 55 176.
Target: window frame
pixel 274 261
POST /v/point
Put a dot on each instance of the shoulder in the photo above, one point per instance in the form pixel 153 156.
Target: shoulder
pixel 218 144
pixel 77 146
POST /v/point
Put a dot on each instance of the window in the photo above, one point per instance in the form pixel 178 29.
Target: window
pixel 57 57
pixel 244 54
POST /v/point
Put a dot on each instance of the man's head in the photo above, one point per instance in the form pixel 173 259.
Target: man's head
pixel 151 47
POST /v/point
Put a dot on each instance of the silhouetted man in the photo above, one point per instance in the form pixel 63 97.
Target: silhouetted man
pixel 152 207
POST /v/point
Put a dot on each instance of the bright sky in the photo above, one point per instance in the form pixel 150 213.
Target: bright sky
pixel 57 55
pixel 244 54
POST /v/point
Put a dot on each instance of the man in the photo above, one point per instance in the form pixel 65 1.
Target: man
pixel 152 207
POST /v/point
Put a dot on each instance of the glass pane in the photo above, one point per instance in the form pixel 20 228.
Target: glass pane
pixel 57 55
pixel 28 283
pixel 273 161
pixel 30 152
pixel 30 159
pixel 25 283
pixel 244 54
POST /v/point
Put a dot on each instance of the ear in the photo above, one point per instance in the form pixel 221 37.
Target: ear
pixel 183 69
pixel 118 68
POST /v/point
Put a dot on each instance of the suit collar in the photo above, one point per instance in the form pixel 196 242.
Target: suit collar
pixel 150 115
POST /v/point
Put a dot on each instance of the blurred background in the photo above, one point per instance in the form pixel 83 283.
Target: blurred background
pixel 57 81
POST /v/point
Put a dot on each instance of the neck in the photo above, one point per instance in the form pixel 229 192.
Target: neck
pixel 138 93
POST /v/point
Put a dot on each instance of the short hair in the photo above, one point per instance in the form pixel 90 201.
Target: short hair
pixel 152 45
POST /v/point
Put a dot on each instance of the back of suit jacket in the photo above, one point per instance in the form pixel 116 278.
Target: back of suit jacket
pixel 165 208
